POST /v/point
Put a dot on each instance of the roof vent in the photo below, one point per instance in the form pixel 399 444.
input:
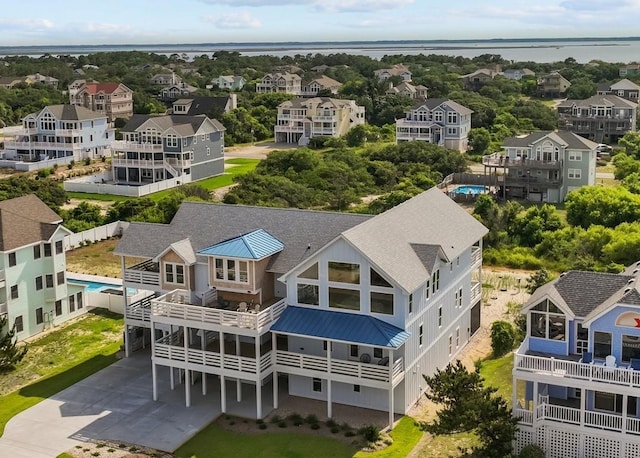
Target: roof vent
pixel 631 281
pixel 563 274
pixel 635 271
pixel 626 290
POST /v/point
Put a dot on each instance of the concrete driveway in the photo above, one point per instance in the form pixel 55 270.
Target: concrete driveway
pixel 114 404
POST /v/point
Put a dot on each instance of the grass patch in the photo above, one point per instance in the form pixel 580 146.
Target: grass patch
pixel 96 259
pixel 448 445
pixel 95 196
pixel 60 359
pixel 405 436
pixel 497 373
pixel 214 441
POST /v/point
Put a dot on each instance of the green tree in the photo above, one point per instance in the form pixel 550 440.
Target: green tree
pixel 479 140
pixel 10 352
pixel 631 142
pixel 503 336
pixel 537 279
pixel 604 206
pixel 469 406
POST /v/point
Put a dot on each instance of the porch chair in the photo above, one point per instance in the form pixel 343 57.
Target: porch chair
pixel 256 308
pixel 384 361
pixel 610 361
pixel 634 364
pixel 587 358
pixel 242 307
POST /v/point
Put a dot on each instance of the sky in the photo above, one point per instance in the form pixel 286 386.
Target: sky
pixel 72 22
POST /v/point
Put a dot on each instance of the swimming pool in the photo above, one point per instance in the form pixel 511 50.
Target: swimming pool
pixel 470 190
pixel 96 287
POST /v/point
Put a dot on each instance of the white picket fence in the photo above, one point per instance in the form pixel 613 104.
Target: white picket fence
pixel 94 184
pixel 94 235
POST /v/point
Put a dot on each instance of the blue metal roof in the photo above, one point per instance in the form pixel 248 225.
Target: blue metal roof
pixel 253 245
pixel 347 327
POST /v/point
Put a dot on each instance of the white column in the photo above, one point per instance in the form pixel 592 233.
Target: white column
pixel 329 400
pixel 154 377
pixel 187 387
pixel 274 349
pixel 258 399
pixel 583 405
pixel 126 327
pixel 203 342
pixel 238 382
pixel 223 395
pixel 535 399
pixel 625 402
pixel 391 409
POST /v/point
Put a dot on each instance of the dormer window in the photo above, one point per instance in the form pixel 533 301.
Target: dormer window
pixel 548 322
pixel 174 273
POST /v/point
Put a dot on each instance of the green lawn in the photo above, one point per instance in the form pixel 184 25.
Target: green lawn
pixel 60 359
pixel 405 436
pixel 497 373
pixel 94 196
pixel 215 441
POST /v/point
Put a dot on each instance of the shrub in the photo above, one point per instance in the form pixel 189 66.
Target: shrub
pixel 503 336
pixel 296 419
pixel 71 164
pixel 315 426
pixel 531 451
pixel 44 173
pixel 275 419
pixel 335 430
pixel 259 421
pixel 371 433
pixel 103 158
pixel 311 419
pixel 262 426
pixel 87 161
pixel 349 433
pixel 331 423
pixel 282 424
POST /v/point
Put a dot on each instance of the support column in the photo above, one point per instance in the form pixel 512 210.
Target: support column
pixel 625 402
pixel 238 382
pixel 391 408
pixel 127 343
pixel 583 405
pixel 274 349
pixel 223 394
pixel 329 400
pixel 154 378
pixel 187 387
pixel 258 400
pixel 535 400
pixel 203 343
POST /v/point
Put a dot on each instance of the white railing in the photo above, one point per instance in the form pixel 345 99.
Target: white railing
pixel 139 310
pixel 476 255
pixel 145 273
pixel 295 129
pixel 68 132
pixel 558 413
pixel 81 185
pixel 324 118
pixel 476 290
pixel 212 359
pixel 164 307
pixel 339 367
pixel 526 416
pixel 3 308
pixel 42 145
pixel 588 418
pixel 633 425
pixel 122 145
pixel 603 420
pixel 2 275
pixel 575 370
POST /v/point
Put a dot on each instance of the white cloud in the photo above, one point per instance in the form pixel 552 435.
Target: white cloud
pixel 359 6
pixel 258 2
pixel 94 27
pixel 240 20
pixel 27 24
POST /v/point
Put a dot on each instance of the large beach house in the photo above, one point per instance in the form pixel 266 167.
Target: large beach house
pixel 34 293
pixel 343 308
pixel 576 376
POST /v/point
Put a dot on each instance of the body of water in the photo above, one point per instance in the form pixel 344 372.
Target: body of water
pixel 541 50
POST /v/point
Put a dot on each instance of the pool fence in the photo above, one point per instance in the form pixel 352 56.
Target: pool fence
pixel 95 234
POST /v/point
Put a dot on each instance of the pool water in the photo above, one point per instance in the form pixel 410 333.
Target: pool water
pixel 470 189
pixel 96 287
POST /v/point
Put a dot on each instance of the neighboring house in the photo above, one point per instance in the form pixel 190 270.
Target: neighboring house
pixel 287 69
pixel 552 85
pixel 176 91
pixel 34 293
pixel 576 376
pixel 8 82
pixel 73 89
pixel 600 117
pixel 543 166
pixel 409 90
pixel 517 73
pixel 230 82
pixel 442 122
pixel 400 70
pixel 321 83
pixel 166 79
pixel 628 70
pixel 474 81
pixel 61 132
pixel 320 68
pixel 43 79
pixel 289 83
pixel 338 307
pixel 202 105
pixel 299 120
pixel 115 100
pixel 158 148
pixel 623 88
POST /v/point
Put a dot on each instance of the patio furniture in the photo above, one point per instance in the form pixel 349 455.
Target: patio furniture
pixel 256 308
pixel 634 364
pixel 365 358
pixel 587 358
pixel 610 361
pixel 384 361
pixel 242 307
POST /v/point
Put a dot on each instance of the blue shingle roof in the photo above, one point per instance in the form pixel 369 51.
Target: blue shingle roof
pixel 346 327
pixel 254 245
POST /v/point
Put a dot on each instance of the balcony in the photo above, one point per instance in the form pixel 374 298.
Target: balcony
pixel 341 368
pixel 145 275
pixel 295 129
pixel 515 180
pixel 139 310
pixel 573 416
pixel 121 145
pixel 3 308
pixel 476 256
pixel 175 306
pixel 324 118
pixel 553 367
pixel 68 132
pixel 476 291
pixel 27 145
pixel 500 160
pixel 121 162
pixel 167 349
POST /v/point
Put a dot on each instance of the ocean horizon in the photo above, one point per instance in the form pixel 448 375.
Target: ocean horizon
pixel 583 49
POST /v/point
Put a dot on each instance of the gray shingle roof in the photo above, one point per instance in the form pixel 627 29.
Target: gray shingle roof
pixel 625 84
pixel 71 112
pixel 582 292
pixel 430 218
pixel 432 104
pixel 183 124
pixel 573 141
pixel 25 220
pixel 302 232
pixel 608 100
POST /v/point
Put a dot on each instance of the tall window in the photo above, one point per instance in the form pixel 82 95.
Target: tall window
pixel 344 272
pixel 18 324
pixel 172 140
pixel 60 277
pixel 308 294
pixel 410 303
pixel 39 316
pixel 47 250
pixel 440 316
pixel 435 281
pixel 39 283
pixel 58 307
pixel 381 303
pixel 14 292
pixel 79 300
pixel 232 270
pixel 630 348
pixel 452 117
pixel 12 259
pixel 59 247
pixel 36 252
pixel 548 321
pixel 601 344
pixel 72 303
pixel 49 280
pixel 174 273
pixel 420 334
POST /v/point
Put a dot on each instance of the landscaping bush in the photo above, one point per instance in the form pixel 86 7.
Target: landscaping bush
pixel 335 430
pixel 503 336
pixel 275 419
pixel 315 426
pixel 531 451
pixel 71 164
pixel 282 424
pixel 296 419
pixel 371 433
pixel 331 423
pixel 87 161
pixel 312 419
pixel 262 426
